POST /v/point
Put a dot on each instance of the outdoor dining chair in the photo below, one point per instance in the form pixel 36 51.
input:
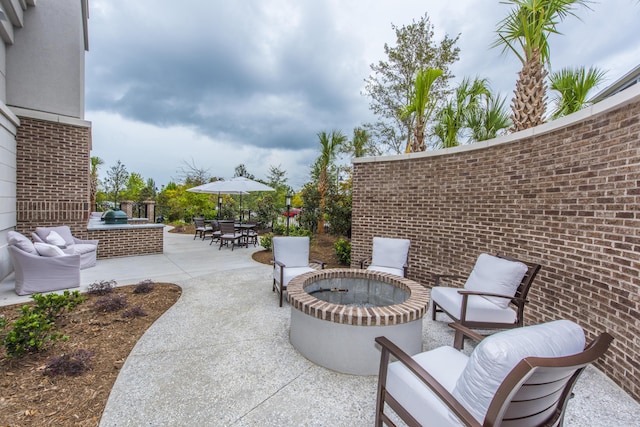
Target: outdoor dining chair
pixel 493 297
pixel 228 234
pixel 519 377
pixel 201 228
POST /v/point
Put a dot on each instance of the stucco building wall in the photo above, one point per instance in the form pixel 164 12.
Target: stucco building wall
pixel 565 194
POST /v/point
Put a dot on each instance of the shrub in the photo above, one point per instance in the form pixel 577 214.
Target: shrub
pixel 52 305
pixel 144 287
pixel 110 303
pixel 30 333
pixel 135 311
pixel 102 287
pixel 266 241
pixel 72 364
pixel 343 251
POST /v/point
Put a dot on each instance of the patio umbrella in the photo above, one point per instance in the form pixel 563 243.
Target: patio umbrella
pixel 238 185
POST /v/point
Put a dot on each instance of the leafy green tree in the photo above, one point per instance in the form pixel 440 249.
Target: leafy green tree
pixel 421 106
pixel 454 117
pixel 573 86
pixel 135 185
pixel 525 31
pixel 391 83
pixel 93 179
pixel 329 145
pixel 149 191
pixel 310 216
pixel 241 170
pixel 116 181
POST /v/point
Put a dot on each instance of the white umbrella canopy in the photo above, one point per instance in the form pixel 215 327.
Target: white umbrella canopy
pixel 238 185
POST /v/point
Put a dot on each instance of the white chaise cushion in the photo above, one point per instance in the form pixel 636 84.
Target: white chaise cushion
pixel 479 309
pixel 446 365
pixel 388 252
pixel 45 249
pixel 497 276
pixel 291 251
pixel 55 239
pixel 498 354
pixel 21 242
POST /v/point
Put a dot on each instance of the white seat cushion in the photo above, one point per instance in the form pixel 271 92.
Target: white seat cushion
pixel 496 276
pixel 479 309
pixel 289 273
pixel 389 252
pixel 80 249
pixel 498 354
pixel 390 270
pixel 417 398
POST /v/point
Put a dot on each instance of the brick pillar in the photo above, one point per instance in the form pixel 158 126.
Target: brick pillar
pixel 150 208
pixel 126 206
pixel 52 166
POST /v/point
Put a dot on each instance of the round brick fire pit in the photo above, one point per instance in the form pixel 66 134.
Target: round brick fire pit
pixel 337 313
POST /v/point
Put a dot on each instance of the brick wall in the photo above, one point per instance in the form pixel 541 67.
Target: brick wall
pixel 567 197
pixel 128 241
pixel 52 175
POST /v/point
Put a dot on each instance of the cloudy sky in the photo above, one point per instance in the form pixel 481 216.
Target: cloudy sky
pixel 219 83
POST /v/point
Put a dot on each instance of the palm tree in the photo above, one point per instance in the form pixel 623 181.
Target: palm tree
pixel 329 145
pixel 421 106
pixel 452 119
pixel 573 86
pixel 489 118
pixel 525 31
pixel 93 179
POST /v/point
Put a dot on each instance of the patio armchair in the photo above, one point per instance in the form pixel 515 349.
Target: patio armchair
pixel 201 228
pixel 518 377
pixel 388 256
pixel 290 259
pixel 35 273
pixel 70 245
pixel 493 297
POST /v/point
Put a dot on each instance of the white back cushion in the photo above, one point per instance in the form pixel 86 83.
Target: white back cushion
pixel 55 239
pixel 63 230
pixel 497 276
pixel 21 242
pixel 498 354
pixel 291 251
pixel 390 252
pixel 45 249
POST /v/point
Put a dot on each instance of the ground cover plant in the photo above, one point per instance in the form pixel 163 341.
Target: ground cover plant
pixel 69 381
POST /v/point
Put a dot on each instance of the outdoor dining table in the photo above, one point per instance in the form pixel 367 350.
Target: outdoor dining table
pixel 244 232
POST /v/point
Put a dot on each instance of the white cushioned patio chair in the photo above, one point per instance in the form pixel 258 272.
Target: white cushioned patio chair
pixel 290 259
pixel 518 377
pixel 493 297
pixel 35 273
pixel 388 256
pixel 70 245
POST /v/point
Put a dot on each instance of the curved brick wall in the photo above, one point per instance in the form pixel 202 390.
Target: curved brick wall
pixel 565 194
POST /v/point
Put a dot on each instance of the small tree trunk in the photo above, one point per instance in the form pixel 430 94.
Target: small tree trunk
pixel 529 103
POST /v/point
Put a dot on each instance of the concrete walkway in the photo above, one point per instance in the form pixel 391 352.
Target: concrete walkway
pixel 221 355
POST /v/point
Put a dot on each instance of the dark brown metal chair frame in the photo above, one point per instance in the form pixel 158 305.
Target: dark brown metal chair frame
pixel 519 300
pixel 278 285
pixel 518 388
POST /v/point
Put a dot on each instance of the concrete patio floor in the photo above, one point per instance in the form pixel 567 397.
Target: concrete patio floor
pixel 221 355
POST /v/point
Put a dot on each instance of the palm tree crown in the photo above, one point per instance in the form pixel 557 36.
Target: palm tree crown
pixel 525 31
